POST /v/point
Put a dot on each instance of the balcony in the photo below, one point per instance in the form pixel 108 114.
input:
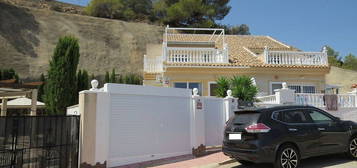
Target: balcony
pixel 295 57
pixel 195 55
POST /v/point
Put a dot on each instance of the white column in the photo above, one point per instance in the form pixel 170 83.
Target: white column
pixel 230 105
pixel 266 54
pixel 94 107
pixel 198 124
pixel 34 93
pixel 4 107
pixel 285 95
pixel 354 92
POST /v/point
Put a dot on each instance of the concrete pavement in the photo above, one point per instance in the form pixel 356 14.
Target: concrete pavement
pixel 329 161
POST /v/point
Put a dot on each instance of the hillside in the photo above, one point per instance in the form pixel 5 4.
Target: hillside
pixel 342 77
pixel 28 37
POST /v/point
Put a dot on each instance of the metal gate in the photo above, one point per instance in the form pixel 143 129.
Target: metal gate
pixel 39 141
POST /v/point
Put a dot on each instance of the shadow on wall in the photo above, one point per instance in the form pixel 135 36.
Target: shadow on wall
pixel 20 29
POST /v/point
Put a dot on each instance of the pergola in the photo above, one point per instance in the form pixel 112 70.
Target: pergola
pixel 13 91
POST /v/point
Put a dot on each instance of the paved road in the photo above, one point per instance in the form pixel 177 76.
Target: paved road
pixel 330 161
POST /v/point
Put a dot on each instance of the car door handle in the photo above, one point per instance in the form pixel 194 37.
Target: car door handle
pixel 321 129
pixel 293 129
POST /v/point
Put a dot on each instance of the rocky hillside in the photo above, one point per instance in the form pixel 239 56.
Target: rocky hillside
pixel 342 77
pixel 28 37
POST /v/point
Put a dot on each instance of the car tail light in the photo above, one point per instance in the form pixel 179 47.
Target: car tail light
pixel 257 128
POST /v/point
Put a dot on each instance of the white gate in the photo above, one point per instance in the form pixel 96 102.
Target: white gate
pixel 214 120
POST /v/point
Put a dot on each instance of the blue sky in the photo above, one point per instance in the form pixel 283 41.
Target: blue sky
pixel 305 24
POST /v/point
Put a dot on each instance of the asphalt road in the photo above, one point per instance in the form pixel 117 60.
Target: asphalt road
pixel 330 161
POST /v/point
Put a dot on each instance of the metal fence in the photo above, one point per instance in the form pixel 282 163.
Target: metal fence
pixel 39 141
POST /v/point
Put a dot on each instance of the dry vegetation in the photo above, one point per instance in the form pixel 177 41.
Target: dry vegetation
pixel 28 35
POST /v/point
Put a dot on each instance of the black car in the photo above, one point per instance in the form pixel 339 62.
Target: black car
pixel 284 135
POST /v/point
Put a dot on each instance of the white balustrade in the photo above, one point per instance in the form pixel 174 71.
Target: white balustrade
pixel 271 99
pixel 295 57
pixel 195 55
pixel 153 65
pixel 346 100
pixel 317 100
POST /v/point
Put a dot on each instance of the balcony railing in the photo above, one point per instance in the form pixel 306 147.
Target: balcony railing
pixel 195 55
pixel 295 57
pixel 153 65
pixel 317 100
pixel 314 99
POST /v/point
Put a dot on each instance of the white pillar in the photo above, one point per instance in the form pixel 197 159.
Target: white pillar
pixel 34 93
pixel 354 92
pixel 198 124
pixel 285 95
pixel 4 107
pixel 94 142
pixel 230 105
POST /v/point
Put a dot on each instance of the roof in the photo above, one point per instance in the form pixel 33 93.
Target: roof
pixel 243 49
pixel 22 102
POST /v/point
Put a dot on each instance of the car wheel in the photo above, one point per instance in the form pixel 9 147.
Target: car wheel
pixel 287 157
pixel 352 152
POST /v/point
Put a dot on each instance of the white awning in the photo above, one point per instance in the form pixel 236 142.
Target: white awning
pixel 22 102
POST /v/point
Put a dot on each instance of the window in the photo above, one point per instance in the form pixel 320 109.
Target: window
pixel 319 117
pixel 189 85
pixel 303 88
pixel 293 116
pixel 212 88
pixel 181 85
pixel 275 85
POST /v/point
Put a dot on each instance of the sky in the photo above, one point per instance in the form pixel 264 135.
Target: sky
pixel 304 24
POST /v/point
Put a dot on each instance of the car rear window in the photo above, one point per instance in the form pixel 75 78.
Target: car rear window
pixel 246 117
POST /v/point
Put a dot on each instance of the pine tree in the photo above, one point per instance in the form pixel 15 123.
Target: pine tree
pixel 41 88
pixel 112 77
pixel 61 85
pixel 107 77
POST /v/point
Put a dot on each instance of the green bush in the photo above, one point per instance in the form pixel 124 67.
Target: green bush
pixel 242 87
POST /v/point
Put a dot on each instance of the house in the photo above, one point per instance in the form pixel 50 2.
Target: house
pixel 197 57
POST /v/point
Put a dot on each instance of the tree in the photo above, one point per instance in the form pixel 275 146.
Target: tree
pixel 82 80
pixel 133 79
pixel 190 13
pixel 243 88
pixel 107 77
pixel 333 57
pixel 120 9
pixel 104 8
pixel 41 88
pixel 242 29
pixel 6 74
pixel 112 78
pixel 61 85
pixel 222 87
pixel 350 62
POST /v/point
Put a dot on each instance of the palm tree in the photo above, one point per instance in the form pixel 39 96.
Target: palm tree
pixel 222 87
pixel 242 88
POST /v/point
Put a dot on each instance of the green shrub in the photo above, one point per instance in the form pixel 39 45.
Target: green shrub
pixel 242 87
